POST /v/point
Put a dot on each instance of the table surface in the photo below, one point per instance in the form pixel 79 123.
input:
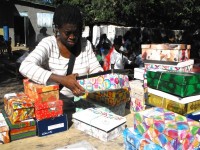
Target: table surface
pixel 70 136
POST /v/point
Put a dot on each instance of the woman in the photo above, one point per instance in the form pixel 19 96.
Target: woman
pixel 48 62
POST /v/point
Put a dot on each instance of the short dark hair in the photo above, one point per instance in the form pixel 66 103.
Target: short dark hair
pixel 66 13
pixel 118 41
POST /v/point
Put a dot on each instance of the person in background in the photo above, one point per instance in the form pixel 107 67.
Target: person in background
pixel 115 57
pixel 42 34
pixel 48 62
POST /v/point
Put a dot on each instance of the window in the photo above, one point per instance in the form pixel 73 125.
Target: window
pixel 44 19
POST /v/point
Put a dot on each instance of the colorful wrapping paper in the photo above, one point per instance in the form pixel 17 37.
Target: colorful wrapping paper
pixel 4 130
pixel 41 93
pixel 168 129
pixel 111 98
pixel 23 129
pixel 105 82
pixel 185 66
pixel 177 83
pixel 138 95
pixel 174 103
pixel 100 124
pixel 166 52
pixel 133 140
pixel 19 107
pixel 48 109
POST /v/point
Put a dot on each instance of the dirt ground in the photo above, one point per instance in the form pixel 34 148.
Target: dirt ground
pixel 9 83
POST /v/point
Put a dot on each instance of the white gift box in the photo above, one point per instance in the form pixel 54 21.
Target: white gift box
pixel 100 124
pixel 139 73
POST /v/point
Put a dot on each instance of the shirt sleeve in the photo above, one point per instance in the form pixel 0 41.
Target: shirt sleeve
pixel 35 65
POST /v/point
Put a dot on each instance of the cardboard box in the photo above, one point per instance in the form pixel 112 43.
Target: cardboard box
pixel 4 130
pixel 177 83
pixel 49 109
pixel 41 93
pixel 112 98
pixel 166 52
pixel 19 107
pixel 168 129
pixel 185 66
pixel 23 129
pixel 102 125
pixel 83 104
pixel 52 125
pixel 133 140
pixel 174 103
pixel 104 81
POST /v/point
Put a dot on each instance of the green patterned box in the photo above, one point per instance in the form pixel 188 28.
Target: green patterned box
pixel 178 83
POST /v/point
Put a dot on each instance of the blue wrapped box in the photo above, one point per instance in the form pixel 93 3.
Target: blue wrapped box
pixel 133 140
pixel 52 125
pixel 194 116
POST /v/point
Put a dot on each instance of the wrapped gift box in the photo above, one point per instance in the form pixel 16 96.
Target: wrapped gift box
pixel 52 125
pixel 41 93
pixel 19 130
pixel 185 66
pixel 133 140
pixel 19 107
pixel 139 73
pixel 4 130
pixel 83 104
pixel 102 125
pixel 177 83
pixel 48 109
pixel 166 52
pixel 194 116
pixel 112 98
pixel 138 95
pixel 168 129
pixel 174 103
pixel 104 81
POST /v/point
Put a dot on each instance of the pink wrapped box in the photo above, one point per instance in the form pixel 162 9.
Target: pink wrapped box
pixel 166 52
pixel 168 129
pixel 103 81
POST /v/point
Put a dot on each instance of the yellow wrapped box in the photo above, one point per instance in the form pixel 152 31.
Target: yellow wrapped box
pixel 173 103
pixel 112 98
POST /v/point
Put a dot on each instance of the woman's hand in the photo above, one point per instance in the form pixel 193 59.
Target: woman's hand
pixel 70 82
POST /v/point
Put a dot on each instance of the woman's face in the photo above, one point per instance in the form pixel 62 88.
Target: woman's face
pixel 69 35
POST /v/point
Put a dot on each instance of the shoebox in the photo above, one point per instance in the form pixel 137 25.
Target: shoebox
pixel 139 73
pixel 185 66
pixel 104 81
pixel 99 124
pixel 174 103
pixel 20 130
pixel 133 140
pixel 166 52
pixel 41 93
pixel 138 95
pixel 52 125
pixel 83 104
pixel 168 129
pixel 112 98
pixel 178 83
pixel 4 130
pixel 18 107
pixel 48 109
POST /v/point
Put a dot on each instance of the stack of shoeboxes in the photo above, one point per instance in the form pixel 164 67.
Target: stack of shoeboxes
pixel 107 92
pixel 170 85
pixel 48 108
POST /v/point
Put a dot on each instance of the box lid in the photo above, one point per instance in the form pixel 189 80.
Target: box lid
pixel 18 101
pixel 48 104
pixel 99 119
pixel 166 46
pixel 180 78
pixel 3 124
pixel 17 125
pixel 39 88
